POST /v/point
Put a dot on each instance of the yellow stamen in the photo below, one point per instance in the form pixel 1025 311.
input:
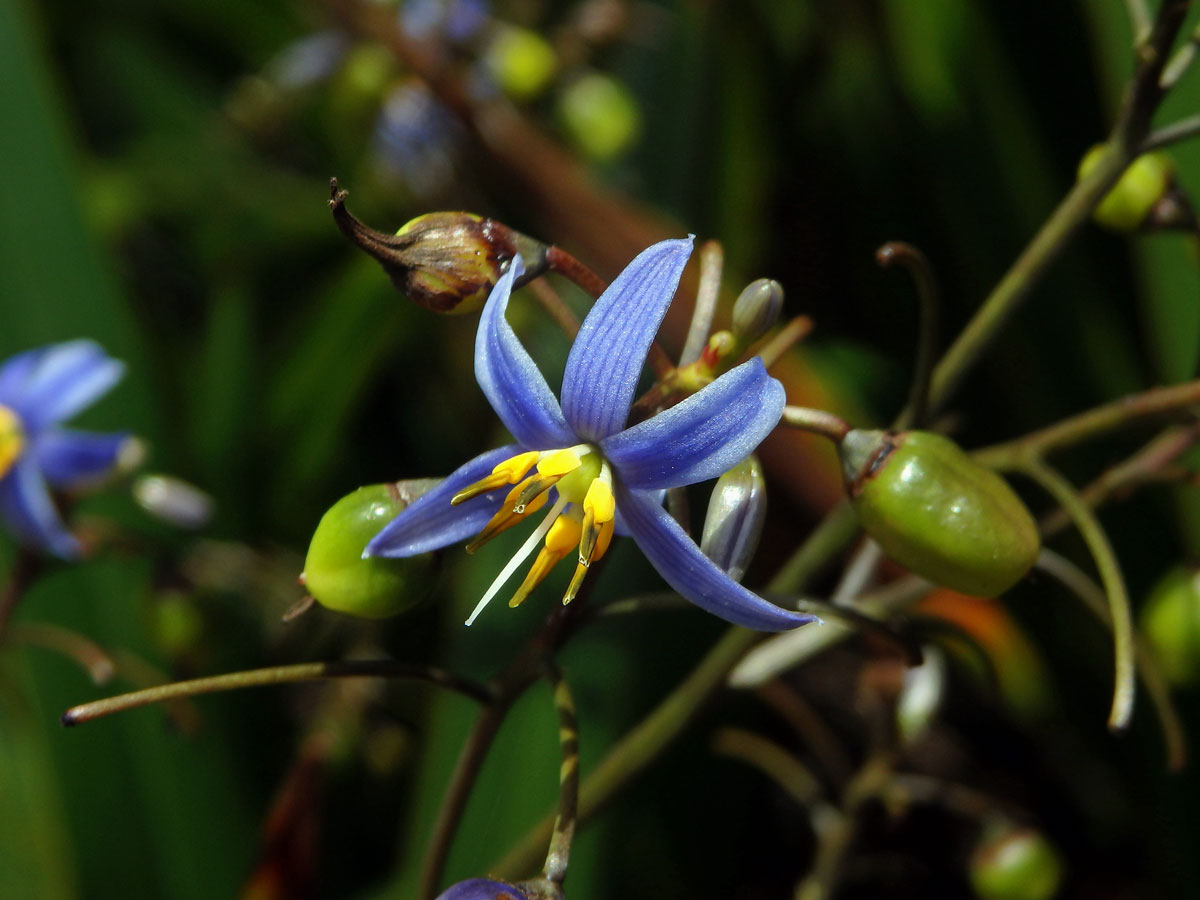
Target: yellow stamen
pixel 593 542
pixel 510 471
pixel 12 439
pixel 559 463
pixel 560 540
pixel 599 500
pixel 515 508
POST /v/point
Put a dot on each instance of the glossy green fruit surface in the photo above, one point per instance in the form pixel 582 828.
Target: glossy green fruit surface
pixel 1170 621
pixel 937 512
pixel 1014 863
pixel 339 578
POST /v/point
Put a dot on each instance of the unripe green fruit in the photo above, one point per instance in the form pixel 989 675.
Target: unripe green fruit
pixel 1171 623
pixel 1013 863
pixel 599 115
pixel 335 572
pixel 937 512
pixel 521 61
pixel 1142 185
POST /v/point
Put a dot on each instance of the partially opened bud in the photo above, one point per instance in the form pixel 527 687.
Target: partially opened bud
pixel 734 521
pixel 1143 196
pixel 335 572
pixel 1013 863
pixel 921 695
pixel 1171 623
pixel 174 501
pixel 757 308
pixel 445 261
pixel 937 512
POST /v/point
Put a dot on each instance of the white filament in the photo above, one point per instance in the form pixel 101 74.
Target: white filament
pixel 519 557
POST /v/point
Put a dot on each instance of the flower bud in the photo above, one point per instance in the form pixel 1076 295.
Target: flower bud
pixel 1013 863
pixel 173 501
pixel 757 308
pixel 599 115
pixel 734 521
pixel 1129 204
pixel 937 512
pixel 1171 623
pixel 445 261
pixel 335 572
pixel 921 695
pixel 521 61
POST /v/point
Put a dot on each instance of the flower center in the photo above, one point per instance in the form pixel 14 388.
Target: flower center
pixel 12 439
pixel 582 516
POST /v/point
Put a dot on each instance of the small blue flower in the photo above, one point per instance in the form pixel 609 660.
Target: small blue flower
pixel 482 889
pixel 38 390
pixel 597 474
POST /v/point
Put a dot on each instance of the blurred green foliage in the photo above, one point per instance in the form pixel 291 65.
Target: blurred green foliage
pixel 164 198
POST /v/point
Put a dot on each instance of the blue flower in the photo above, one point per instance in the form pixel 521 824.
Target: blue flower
pixel 579 457
pixel 482 889
pixel 38 390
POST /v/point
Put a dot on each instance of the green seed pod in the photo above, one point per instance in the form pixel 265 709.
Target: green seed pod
pixel 599 115
pixel 936 511
pixel 339 578
pixel 1012 863
pixel 757 308
pixel 1129 203
pixel 521 61
pixel 734 521
pixel 1171 623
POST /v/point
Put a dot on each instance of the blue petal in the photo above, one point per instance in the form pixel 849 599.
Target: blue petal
pixel 430 522
pixel 482 889
pixel 510 379
pixel 705 435
pixel 67 457
pixel 691 573
pixel 52 384
pixel 26 507
pixel 607 356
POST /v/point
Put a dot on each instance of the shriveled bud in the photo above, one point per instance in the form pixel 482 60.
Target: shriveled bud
pixel 335 572
pixel 1014 863
pixel 1145 187
pixel 445 261
pixel 734 521
pixel 1170 621
pixel 757 308
pixel 938 512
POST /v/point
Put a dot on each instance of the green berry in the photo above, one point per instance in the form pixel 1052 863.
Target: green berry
pixel 1171 623
pixel 335 572
pixel 599 115
pixel 937 512
pixel 1143 184
pixel 522 62
pixel 1012 863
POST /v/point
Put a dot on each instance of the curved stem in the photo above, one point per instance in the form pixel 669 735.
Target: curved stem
pixel 232 681
pixel 817 421
pixel 555 868
pixel 1110 575
pixel 1092 596
pixel 915 261
pixel 772 760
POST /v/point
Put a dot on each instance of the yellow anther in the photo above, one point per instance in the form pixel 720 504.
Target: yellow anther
pixel 559 463
pixel 510 471
pixel 509 514
pixel 560 539
pixel 593 542
pixel 599 501
pixel 12 439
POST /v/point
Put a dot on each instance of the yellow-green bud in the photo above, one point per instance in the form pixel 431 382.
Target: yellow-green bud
pixel 757 308
pixel 1012 863
pixel 521 61
pixel 445 261
pixel 335 572
pixel 937 512
pixel 599 115
pixel 734 521
pixel 1170 621
pixel 1130 201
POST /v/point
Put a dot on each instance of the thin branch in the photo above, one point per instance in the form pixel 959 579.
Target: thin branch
pixel 816 421
pixel 1171 134
pixel 778 764
pixel 555 869
pixel 924 281
pixel 232 681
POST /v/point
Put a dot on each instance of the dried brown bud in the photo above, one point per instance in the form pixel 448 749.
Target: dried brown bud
pixel 445 261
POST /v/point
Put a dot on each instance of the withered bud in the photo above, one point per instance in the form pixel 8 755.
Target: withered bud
pixel 445 261
pixel 757 308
